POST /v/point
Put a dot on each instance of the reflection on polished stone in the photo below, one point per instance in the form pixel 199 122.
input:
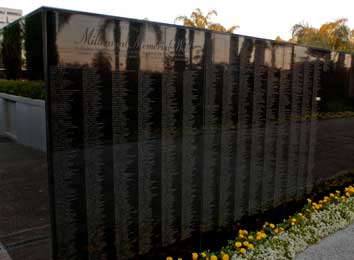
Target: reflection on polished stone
pixel 159 132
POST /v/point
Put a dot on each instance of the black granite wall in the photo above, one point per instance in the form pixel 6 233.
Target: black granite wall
pixel 158 132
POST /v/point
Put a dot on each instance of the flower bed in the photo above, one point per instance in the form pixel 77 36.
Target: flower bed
pixel 320 217
pixel 283 241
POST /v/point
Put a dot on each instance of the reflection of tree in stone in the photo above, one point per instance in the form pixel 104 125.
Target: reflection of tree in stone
pixel 34 47
pixel 102 62
pixel 191 45
pixel 116 38
pixel 133 59
pixel 64 19
pixel 52 48
pixel 337 83
pixel 102 34
pixel 11 50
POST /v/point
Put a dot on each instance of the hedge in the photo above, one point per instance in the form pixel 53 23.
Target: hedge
pixel 31 89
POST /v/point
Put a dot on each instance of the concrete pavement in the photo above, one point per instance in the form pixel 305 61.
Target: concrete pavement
pixel 24 214
pixel 339 246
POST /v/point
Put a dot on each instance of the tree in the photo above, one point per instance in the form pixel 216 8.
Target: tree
pixel 303 33
pixel 279 39
pixel 337 35
pixel 334 35
pixel 197 19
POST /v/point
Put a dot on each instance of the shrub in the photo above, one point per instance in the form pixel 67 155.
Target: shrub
pixel 31 89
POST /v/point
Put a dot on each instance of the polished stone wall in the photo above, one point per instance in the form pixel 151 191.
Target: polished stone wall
pixel 157 132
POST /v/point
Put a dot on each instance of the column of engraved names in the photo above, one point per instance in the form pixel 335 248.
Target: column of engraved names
pixel 67 169
pixel 94 153
pixel 306 111
pixel 294 143
pixel 149 100
pixel 228 137
pixel 281 171
pixel 212 124
pixel 245 103
pixel 271 131
pixel 191 151
pixel 317 78
pixel 172 87
pixel 125 161
pixel 258 127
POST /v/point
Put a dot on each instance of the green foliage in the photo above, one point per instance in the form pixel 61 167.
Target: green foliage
pixel 31 89
pixel 34 46
pixel 334 35
pixel 199 20
pixel 11 50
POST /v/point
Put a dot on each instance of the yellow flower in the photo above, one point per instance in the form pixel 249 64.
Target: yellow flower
pixel 293 220
pixel 169 258
pixel 276 231
pixel 250 246
pixel 241 236
pixel 347 194
pixel 225 257
pixel 243 232
pixel 179 258
pixel 245 243
pixel 238 244
pixel 250 237
pixel 203 255
pixel 213 257
pixel 309 201
pixel 243 251
pixel 194 256
pixel 272 225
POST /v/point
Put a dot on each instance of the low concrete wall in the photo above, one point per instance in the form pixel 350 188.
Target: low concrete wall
pixel 23 119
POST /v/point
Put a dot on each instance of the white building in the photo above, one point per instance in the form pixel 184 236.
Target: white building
pixel 8 15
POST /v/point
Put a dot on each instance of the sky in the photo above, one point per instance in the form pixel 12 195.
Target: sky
pixel 259 18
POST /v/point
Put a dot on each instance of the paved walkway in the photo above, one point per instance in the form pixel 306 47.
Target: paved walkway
pixel 24 214
pixel 339 246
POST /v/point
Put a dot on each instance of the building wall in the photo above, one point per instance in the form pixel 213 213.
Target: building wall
pixel 8 15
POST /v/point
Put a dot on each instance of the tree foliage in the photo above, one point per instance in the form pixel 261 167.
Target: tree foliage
pixel 334 35
pixel 199 20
